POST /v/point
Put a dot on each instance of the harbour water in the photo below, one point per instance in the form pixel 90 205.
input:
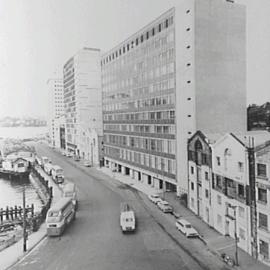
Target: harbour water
pixel 11 194
pixel 11 190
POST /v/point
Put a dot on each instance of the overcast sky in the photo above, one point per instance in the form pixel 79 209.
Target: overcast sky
pixel 38 36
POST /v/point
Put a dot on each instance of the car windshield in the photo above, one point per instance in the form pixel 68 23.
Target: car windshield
pixel 188 226
pixel 53 214
pixel 59 171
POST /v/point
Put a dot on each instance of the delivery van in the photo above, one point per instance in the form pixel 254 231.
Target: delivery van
pixel 70 191
pixel 127 218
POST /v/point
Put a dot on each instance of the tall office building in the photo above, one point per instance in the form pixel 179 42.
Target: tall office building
pixel 82 98
pixel 55 105
pixel 182 72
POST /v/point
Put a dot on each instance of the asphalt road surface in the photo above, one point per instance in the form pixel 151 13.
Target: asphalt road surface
pixel 95 241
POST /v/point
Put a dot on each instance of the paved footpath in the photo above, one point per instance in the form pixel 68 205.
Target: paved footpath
pixel 14 253
pixel 214 241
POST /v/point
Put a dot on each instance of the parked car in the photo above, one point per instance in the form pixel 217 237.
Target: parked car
pixel 87 163
pixel 185 227
pixel 154 198
pixel 165 207
pixel 48 168
pixel 69 154
pixel 76 158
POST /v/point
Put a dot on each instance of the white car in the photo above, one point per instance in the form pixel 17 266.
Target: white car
pixel 87 163
pixel 185 227
pixel 154 198
pixel 69 154
pixel 165 207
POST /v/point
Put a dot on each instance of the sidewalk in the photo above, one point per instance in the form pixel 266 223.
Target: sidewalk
pixel 14 253
pixel 215 242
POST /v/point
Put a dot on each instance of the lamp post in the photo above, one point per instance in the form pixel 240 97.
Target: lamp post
pixel 24 222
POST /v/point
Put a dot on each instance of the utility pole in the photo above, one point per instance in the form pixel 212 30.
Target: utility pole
pixel 24 222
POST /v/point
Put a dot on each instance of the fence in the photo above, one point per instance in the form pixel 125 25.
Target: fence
pixel 40 217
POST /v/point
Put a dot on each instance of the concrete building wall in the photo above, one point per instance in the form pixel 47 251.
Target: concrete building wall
pixel 55 104
pixel 82 96
pixel 220 73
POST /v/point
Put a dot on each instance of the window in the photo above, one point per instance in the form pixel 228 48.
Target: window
pixel 188 47
pixel 206 193
pixel 218 161
pixel 188 82
pixel 241 190
pixel 261 170
pixel 219 199
pixel 188 11
pixel 192 186
pixel 159 27
pixel 206 176
pixel 262 195
pixel 153 31
pixel 147 35
pixel 167 23
pixel 264 249
pixel 141 38
pixel 188 64
pixel 241 211
pixel 192 170
pixel 242 234
pixel 263 221
pixel 240 166
pixel 188 29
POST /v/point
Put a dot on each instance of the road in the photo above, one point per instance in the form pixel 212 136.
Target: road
pixel 94 240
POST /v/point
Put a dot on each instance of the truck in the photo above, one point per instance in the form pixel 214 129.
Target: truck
pixel 127 218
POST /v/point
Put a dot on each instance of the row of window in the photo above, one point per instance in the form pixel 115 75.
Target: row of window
pixel 161 129
pixel 139 40
pixel 150 66
pixel 158 145
pixel 160 115
pixel 155 162
pixel 147 77
pixel 156 101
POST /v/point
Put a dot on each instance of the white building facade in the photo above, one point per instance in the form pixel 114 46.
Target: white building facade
pixel 55 105
pixel 263 201
pixel 82 97
pixel 159 83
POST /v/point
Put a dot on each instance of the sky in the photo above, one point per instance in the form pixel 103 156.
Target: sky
pixel 38 36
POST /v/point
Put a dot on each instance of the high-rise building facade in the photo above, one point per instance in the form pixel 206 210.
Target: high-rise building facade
pixel 184 71
pixel 82 97
pixel 55 105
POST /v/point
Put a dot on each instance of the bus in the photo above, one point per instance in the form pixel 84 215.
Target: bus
pixel 127 218
pixel 70 191
pixel 57 174
pixel 59 216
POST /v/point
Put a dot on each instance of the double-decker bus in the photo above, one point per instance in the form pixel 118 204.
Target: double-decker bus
pixel 59 216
